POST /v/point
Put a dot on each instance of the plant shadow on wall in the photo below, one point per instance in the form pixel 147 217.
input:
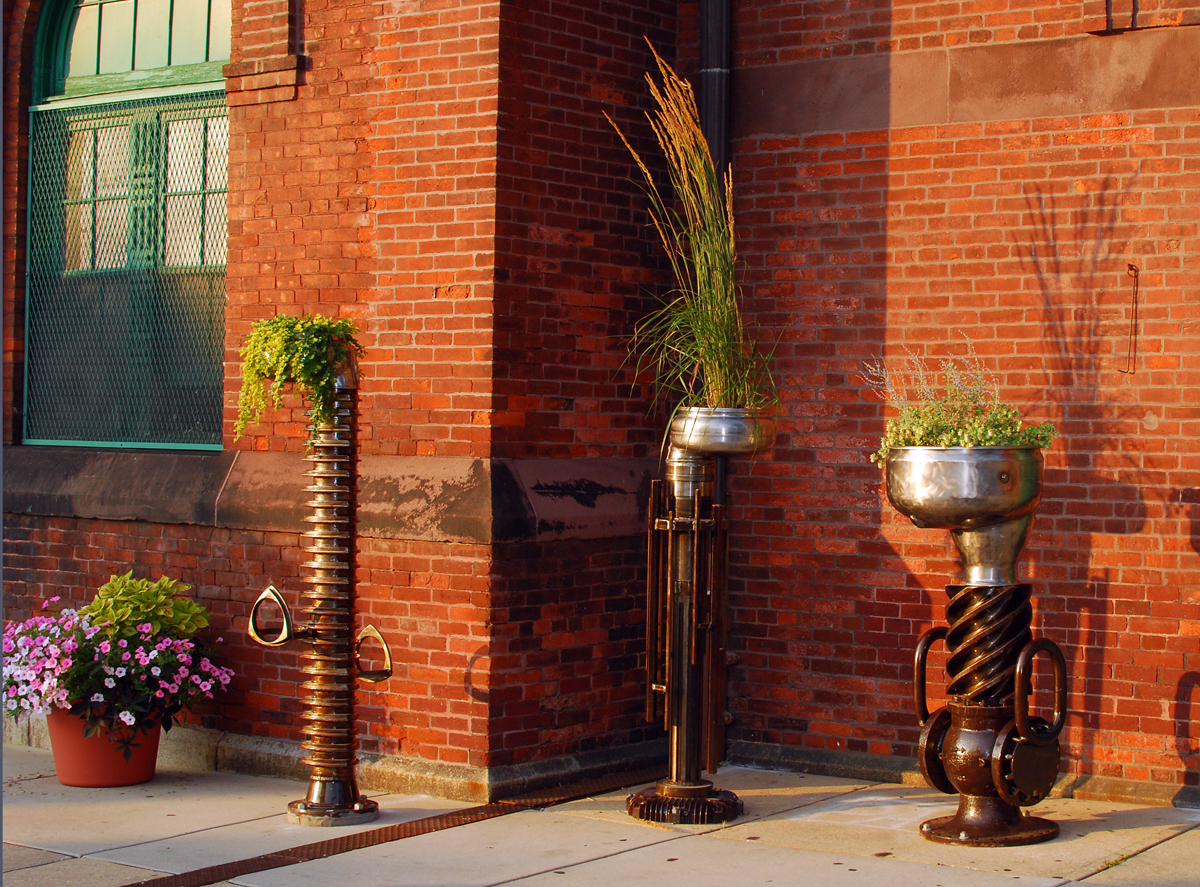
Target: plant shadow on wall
pixel 1187 690
pixel 1077 247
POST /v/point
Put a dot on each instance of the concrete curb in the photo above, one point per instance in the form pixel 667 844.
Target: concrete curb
pixel 196 748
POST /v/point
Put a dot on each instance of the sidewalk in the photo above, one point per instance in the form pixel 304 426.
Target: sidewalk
pixel 798 829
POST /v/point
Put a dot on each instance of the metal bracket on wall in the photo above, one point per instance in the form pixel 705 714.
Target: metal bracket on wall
pixel 1131 354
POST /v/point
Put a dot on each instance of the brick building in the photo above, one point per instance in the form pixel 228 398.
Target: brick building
pixel 442 173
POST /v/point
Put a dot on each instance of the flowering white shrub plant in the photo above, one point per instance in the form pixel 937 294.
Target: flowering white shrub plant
pixel 126 681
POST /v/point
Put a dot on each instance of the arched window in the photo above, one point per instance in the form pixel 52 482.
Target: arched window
pixel 127 225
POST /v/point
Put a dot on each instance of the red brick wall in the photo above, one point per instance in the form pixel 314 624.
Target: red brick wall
pixel 20 17
pixel 1018 233
pixel 574 257
pixel 428 600
pixel 568 642
pixel 371 195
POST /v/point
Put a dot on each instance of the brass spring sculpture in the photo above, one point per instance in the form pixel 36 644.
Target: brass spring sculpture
pixel 330 663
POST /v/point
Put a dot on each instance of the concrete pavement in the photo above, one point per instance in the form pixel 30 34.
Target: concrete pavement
pixel 798 829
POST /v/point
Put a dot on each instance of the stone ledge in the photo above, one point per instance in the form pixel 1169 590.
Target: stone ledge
pixel 1075 75
pixel 432 499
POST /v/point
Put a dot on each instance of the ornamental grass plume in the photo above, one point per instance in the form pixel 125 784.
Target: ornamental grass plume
pixel 696 344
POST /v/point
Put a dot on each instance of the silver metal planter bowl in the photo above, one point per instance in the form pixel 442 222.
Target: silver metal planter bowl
pixel 984 495
pixel 722 431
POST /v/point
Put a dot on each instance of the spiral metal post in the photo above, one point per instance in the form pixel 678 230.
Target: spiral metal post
pixel 328 719
pixel 329 665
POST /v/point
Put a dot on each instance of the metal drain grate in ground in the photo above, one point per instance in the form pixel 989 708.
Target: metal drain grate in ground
pixel 388 833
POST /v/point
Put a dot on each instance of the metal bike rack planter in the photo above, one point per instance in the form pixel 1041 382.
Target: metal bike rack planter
pixel 330 665
pixel 986 745
pixel 686 620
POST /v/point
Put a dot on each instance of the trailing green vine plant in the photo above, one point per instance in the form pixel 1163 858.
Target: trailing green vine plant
pixel 308 351
pixel 966 412
pixel 696 344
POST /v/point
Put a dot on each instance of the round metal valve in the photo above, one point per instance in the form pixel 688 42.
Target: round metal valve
pixel 1024 772
pixel 929 752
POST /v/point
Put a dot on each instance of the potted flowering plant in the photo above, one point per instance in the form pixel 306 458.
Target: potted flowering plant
pixel 109 677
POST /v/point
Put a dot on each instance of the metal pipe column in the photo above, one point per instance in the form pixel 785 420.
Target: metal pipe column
pixel 329 665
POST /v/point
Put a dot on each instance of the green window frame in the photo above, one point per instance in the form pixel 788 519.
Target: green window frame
pixel 127 230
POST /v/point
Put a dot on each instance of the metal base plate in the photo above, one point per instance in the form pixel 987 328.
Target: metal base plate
pixel 720 806
pixel 953 830
pixel 303 813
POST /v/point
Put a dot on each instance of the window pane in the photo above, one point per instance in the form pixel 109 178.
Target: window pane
pixel 81 164
pixel 121 346
pixel 214 229
pixel 189 31
pixel 84 41
pixel 185 152
pixel 217 167
pixel 112 161
pixel 153 34
pixel 116 37
pixel 111 233
pixel 219 28
pixel 182 235
pixel 79 237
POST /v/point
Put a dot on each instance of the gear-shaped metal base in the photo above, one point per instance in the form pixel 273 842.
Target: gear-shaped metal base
pixel 719 806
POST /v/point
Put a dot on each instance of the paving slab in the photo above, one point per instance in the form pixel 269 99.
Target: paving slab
pixel 22 763
pixel 704 860
pixel 77 873
pixel 494 851
pixel 763 793
pixel 884 822
pixel 18 857
pixel 80 821
pixel 1173 863
pixel 243 840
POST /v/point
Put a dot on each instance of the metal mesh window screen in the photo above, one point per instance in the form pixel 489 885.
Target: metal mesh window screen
pixel 127 273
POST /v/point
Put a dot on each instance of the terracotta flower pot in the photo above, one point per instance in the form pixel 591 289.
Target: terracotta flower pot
pixel 98 761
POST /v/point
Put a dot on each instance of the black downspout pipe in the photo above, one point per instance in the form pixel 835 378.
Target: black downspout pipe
pixel 712 86
pixel 712 100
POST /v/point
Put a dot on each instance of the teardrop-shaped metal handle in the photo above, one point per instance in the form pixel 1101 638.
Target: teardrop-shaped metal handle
pixel 377 675
pixel 920 702
pixel 1032 730
pixel 285 631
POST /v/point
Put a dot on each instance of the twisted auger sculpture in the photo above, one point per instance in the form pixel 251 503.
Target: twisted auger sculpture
pixel 985 744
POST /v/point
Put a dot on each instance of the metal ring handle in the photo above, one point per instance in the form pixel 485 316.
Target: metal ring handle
pixel 920 703
pixel 377 675
pixel 285 631
pixel 1028 732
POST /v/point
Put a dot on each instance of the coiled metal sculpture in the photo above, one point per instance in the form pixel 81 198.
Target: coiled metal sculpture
pixel 330 663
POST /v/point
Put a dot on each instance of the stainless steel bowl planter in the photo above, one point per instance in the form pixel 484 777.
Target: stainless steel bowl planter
pixel 984 495
pixel 964 487
pixel 985 746
pixel 722 431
